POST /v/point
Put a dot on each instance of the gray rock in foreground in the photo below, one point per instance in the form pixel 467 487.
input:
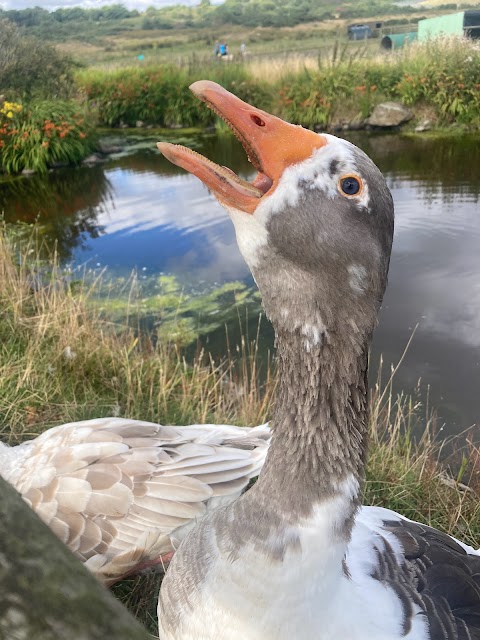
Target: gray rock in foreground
pixel 47 594
pixel 389 114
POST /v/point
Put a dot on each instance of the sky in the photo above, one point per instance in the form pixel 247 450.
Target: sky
pixel 141 5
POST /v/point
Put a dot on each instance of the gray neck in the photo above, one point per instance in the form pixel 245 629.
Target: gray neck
pixel 320 423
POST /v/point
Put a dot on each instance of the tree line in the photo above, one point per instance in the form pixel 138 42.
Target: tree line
pixel 115 18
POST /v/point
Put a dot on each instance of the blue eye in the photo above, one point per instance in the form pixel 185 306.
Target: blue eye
pixel 350 185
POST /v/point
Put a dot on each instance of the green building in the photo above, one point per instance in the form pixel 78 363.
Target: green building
pixel 462 23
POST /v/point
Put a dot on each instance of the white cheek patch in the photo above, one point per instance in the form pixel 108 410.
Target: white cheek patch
pixel 314 173
pixel 357 278
pixel 251 235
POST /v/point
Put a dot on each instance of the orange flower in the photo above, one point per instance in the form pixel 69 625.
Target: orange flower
pixel 82 135
pixel 373 87
pixel 45 144
pixel 63 134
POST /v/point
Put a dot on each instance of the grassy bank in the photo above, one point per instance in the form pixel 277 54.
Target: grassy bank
pixel 438 79
pixel 61 360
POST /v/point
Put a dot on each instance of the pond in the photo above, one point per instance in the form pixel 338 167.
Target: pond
pixel 137 211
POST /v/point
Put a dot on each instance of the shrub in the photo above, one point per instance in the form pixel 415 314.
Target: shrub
pixel 29 67
pixel 160 95
pixel 37 136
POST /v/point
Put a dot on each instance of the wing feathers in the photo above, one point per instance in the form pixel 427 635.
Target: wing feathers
pixel 115 486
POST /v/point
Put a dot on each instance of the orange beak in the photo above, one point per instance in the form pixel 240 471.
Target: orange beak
pixel 271 144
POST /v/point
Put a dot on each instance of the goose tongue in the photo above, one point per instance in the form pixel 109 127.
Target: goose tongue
pixel 270 143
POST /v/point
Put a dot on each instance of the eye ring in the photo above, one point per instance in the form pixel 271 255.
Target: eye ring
pixel 350 185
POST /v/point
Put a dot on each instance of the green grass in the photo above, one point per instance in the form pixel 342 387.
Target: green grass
pixel 61 360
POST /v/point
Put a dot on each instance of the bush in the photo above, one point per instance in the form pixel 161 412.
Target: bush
pixel 160 95
pixel 45 133
pixel 31 68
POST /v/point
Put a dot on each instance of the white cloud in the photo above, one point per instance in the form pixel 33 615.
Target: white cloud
pixel 51 5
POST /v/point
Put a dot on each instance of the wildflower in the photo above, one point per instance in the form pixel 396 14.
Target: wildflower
pixel 82 135
pixel 45 144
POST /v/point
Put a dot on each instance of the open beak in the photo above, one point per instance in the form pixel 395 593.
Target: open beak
pixel 271 144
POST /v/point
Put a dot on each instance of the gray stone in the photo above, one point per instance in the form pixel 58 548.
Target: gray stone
pixel 105 147
pixel 389 114
pixel 139 124
pixel 93 159
pixel 28 172
pixel 425 125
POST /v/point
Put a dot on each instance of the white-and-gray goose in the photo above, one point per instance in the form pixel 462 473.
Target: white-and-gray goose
pixel 296 557
pixel 122 493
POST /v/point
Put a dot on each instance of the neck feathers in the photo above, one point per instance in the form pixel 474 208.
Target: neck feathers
pixel 320 423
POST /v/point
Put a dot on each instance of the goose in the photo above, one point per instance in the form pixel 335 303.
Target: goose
pixel 123 493
pixel 297 557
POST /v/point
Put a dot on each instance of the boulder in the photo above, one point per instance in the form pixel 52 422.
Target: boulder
pixel 389 114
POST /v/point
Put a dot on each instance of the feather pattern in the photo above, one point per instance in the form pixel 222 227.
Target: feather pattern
pixel 122 493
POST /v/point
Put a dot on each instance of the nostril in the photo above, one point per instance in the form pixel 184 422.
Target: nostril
pixel 257 120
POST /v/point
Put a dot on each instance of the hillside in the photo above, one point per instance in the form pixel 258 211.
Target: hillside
pixel 90 25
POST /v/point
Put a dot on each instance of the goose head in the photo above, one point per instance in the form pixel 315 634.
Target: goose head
pixel 315 225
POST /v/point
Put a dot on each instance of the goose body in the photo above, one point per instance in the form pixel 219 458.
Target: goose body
pixel 297 556
pixel 122 493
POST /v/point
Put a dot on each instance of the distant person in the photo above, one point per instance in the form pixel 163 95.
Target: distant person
pixel 216 50
pixel 223 49
pixel 243 50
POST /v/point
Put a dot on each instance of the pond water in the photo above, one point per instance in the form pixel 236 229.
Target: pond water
pixel 137 211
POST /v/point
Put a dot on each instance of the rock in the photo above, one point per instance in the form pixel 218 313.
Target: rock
pixel 95 158
pixel 28 172
pixel 106 148
pixel 139 124
pixel 123 125
pixel 389 114
pixel 425 125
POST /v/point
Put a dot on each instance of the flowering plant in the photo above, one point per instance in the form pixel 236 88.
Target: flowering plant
pixel 37 136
